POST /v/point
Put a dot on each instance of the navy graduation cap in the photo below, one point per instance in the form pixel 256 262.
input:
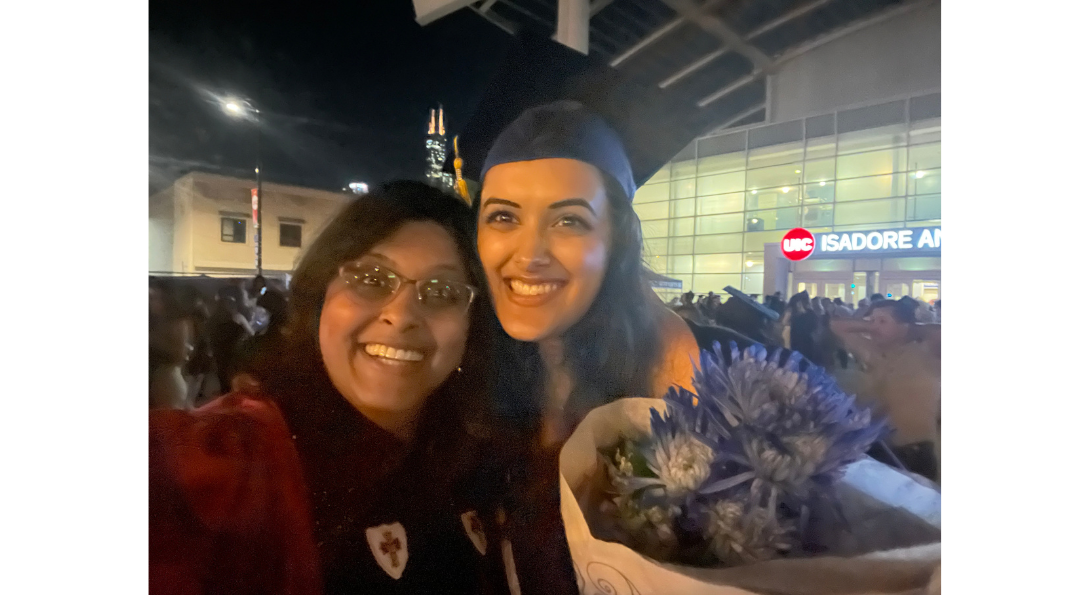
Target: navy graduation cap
pixel 591 108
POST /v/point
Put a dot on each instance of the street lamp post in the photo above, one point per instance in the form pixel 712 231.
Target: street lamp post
pixel 244 109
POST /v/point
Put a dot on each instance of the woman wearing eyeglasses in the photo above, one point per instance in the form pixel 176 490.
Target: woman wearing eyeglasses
pixel 355 469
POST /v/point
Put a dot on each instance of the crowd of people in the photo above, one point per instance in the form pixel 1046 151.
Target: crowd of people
pixel 392 420
pixel 201 334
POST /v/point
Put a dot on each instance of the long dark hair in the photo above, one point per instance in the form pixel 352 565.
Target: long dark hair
pixel 611 352
pixel 298 381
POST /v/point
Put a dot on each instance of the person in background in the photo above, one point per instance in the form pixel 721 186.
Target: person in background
pixel 170 348
pixel 227 329
pixel 863 310
pixel 805 327
pixel 901 377
pixel 688 309
pixel 841 309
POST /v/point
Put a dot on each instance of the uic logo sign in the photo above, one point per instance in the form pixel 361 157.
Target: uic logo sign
pixel 797 244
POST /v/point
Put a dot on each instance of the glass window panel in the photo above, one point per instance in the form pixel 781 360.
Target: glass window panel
pixel 754 262
pixel 716 283
pixel 755 242
pixel 718 244
pixel 654 229
pixel 719 224
pixel 821 147
pixel 662 175
pixel 722 144
pixel 658 264
pixel 683 169
pixel 683 188
pixel 652 193
pixel 721 203
pixel 780 175
pixel 925 131
pixel 871 116
pixel 818 193
pixel 654 247
pixel 869 226
pixel 782 133
pixel 682 227
pixel 821 126
pixel 776 155
pixel 912 263
pixel 718 164
pixel 681 264
pixel 717 263
pixel 652 211
pixel 871 139
pixel 868 188
pixel 773 197
pixel 721 183
pixel 685 207
pixel 928 206
pixel 874 163
pixel 753 284
pixel 925 182
pixel 787 218
pixel 681 245
pixel 822 170
pixel 817 216
pixel 927 223
pixel 927 156
pixel 871 211
pixel 925 106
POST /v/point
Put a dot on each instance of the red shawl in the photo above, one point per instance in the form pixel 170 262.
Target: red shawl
pixel 229 509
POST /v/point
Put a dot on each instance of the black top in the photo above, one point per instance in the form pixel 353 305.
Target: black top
pixel 410 498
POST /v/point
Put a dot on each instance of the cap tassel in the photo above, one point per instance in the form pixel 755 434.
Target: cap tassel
pixel 460 184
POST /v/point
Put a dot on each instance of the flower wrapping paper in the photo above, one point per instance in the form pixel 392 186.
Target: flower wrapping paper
pixel 889 545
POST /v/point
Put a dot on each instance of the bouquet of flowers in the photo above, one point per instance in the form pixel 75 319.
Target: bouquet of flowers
pixel 757 483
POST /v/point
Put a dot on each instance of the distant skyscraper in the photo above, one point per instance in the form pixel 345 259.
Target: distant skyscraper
pixel 436 145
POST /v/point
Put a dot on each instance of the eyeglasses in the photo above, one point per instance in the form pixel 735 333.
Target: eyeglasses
pixel 378 284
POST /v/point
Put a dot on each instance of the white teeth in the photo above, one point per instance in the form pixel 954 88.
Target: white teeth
pixel 520 288
pixel 385 351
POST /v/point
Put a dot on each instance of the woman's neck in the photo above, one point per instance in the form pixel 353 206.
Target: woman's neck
pixel 402 425
pixel 558 388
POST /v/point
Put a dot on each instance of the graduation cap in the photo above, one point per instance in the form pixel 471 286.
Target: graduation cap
pixel 653 124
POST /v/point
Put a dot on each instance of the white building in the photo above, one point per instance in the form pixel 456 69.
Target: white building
pixel 204 224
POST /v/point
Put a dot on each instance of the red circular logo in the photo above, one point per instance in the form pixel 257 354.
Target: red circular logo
pixel 797 244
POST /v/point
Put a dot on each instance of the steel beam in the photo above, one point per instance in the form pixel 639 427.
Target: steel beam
pixel 657 34
pixel 715 26
pixel 785 18
pixel 700 63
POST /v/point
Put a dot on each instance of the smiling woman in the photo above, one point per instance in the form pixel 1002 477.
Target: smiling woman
pixel 360 466
pixel 561 248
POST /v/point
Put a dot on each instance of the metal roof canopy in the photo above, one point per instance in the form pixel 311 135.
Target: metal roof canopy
pixel 718 53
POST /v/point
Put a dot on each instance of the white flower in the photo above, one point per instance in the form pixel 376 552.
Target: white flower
pixel 743 535
pixel 683 462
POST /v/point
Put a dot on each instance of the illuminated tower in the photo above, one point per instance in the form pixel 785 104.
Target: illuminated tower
pixel 436 145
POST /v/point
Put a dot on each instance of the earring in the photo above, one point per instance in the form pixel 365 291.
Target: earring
pixel 459 369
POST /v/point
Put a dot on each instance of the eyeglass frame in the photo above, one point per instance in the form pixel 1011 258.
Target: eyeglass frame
pixel 402 281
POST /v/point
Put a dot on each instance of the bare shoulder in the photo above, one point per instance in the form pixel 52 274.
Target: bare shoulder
pixel 679 351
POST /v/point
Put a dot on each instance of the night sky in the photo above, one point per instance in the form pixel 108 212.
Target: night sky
pixel 346 89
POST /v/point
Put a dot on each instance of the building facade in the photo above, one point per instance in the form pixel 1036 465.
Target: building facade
pixel 204 224
pixel 436 153
pixel 717 214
